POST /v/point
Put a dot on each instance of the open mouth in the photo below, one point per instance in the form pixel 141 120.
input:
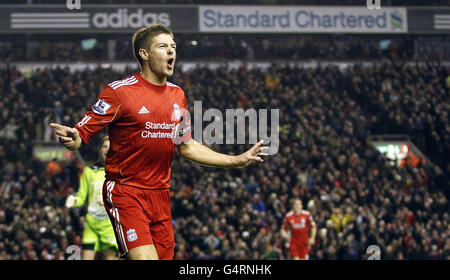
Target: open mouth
pixel 170 63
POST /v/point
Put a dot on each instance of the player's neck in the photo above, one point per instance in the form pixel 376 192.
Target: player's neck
pixel 152 77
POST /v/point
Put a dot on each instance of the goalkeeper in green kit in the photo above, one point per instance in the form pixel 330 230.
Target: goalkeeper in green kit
pixel 98 235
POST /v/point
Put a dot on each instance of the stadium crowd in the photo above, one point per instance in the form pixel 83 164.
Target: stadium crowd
pixel 356 196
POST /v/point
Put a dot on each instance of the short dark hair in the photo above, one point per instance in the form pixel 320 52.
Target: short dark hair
pixel 102 140
pixel 142 39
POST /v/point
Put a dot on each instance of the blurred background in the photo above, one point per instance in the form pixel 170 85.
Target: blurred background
pixel 364 128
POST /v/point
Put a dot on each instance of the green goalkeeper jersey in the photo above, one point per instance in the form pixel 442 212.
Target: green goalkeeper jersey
pixel 91 186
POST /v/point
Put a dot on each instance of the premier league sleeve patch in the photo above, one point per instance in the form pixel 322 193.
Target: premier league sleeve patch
pixel 101 107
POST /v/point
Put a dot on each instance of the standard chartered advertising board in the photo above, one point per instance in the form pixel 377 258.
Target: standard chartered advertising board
pixel 302 19
pixel 222 19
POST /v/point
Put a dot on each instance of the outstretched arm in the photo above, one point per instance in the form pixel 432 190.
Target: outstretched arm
pixel 201 154
pixel 68 136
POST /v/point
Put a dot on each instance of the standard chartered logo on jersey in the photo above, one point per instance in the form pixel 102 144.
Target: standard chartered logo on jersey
pixel 153 130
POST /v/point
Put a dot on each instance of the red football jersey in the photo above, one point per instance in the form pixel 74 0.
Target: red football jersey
pixel 299 226
pixel 142 120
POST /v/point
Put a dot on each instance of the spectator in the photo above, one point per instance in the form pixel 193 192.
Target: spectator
pixel 53 168
pixel 326 159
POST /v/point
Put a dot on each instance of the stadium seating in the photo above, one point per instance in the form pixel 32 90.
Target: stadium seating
pixel 355 195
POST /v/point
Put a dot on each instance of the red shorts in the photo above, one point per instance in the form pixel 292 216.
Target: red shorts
pixel 140 217
pixel 299 251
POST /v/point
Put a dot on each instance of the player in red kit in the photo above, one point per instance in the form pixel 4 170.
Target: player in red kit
pixel 147 119
pixel 298 222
